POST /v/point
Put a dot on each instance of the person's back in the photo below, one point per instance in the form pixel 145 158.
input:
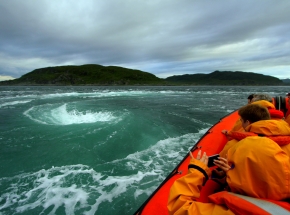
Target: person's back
pixel 258 169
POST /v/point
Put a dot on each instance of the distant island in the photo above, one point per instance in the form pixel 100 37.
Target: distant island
pixel 93 74
pixel 226 78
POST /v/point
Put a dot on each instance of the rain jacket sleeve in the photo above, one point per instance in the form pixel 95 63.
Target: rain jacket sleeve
pixel 186 190
pixel 228 145
pixel 237 127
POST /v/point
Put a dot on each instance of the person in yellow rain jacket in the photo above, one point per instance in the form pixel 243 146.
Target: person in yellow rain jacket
pixel 254 120
pixel 257 172
pixel 259 113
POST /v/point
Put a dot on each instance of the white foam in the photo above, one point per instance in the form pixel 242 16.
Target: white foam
pixel 47 114
pixel 71 187
pixel 104 93
pixel 14 103
pixel 63 117
pixel 160 158
pixel 94 94
pixel 50 188
pixel 116 93
pixel 80 189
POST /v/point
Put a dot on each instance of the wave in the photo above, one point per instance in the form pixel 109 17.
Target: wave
pixel 14 103
pixel 79 189
pixel 49 114
pixel 48 190
pixel 94 94
pixel 159 159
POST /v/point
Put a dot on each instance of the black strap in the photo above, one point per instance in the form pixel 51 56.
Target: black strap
pixel 199 169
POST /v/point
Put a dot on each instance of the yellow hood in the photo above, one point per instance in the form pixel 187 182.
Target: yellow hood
pixel 270 127
pixel 265 104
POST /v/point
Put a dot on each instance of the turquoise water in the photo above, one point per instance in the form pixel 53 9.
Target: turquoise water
pixel 100 150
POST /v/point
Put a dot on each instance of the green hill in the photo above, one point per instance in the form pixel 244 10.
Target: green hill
pixel 90 74
pixel 225 78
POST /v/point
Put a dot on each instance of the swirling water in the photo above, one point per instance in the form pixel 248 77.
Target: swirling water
pixel 101 150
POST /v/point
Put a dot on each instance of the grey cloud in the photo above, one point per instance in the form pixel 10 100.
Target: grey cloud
pixel 162 37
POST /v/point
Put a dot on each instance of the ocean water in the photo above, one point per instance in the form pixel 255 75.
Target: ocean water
pixel 101 150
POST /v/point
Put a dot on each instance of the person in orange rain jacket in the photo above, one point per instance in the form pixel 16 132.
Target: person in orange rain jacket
pixel 256 121
pixel 257 173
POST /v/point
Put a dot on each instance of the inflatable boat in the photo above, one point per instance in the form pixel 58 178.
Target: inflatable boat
pixel 212 142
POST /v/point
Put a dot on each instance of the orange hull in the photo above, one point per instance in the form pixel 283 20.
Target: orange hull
pixel 212 143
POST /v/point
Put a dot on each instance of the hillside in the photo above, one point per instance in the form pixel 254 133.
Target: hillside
pixel 225 78
pixel 286 81
pixel 90 74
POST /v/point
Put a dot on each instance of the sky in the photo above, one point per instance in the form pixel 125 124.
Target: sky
pixel 163 37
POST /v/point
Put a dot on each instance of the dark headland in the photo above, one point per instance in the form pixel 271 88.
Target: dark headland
pixel 93 74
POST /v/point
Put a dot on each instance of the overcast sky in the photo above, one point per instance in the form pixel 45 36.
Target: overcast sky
pixel 163 37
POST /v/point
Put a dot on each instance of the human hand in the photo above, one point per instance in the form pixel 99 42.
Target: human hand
pixel 226 133
pixel 203 158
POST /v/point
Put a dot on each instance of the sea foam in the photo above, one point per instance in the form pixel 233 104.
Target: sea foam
pixel 159 159
pixel 48 114
pixel 79 189
pixel 76 188
pixel 14 103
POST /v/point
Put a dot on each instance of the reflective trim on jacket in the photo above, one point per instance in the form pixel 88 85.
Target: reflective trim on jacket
pixel 240 204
